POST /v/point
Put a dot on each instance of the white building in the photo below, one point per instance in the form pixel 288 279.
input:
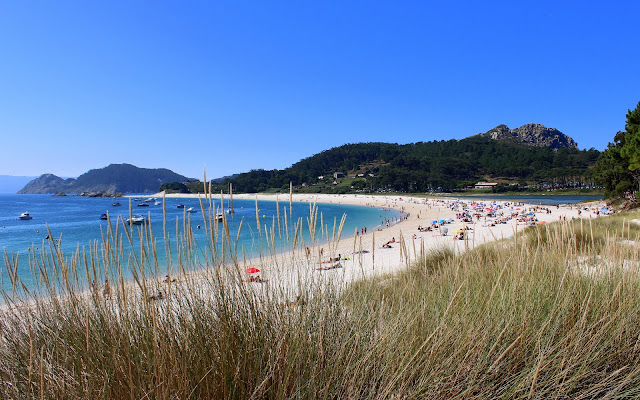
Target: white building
pixel 485 185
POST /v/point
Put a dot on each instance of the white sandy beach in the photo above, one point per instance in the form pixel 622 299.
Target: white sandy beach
pixel 364 255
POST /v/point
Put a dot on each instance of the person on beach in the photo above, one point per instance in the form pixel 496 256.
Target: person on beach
pixel 333 266
pixel 158 296
pixel 106 289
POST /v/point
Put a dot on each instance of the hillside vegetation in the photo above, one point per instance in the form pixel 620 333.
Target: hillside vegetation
pixel 424 166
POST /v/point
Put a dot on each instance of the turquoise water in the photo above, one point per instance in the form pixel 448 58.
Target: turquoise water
pixel 537 199
pixel 76 221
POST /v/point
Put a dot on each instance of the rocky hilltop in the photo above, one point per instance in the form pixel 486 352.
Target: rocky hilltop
pixel 535 135
pixel 47 183
pixel 125 178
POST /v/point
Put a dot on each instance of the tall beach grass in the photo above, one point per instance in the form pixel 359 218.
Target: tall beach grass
pixel 551 313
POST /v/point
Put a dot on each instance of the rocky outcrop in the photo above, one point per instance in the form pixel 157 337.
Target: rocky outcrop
pixel 101 194
pixel 535 135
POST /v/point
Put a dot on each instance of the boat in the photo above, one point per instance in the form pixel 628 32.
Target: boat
pixel 116 204
pixel 191 210
pixel 157 203
pixel 218 216
pixel 104 216
pixel 143 204
pixel 25 215
pixel 136 220
pixel 180 205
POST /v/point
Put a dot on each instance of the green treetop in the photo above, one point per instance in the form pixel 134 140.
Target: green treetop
pixel 618 167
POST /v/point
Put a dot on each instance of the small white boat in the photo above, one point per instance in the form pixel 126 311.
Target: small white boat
pixel 218 217
pixel 25 215
pixel 136 220
pixel 157 203
pixel 191 210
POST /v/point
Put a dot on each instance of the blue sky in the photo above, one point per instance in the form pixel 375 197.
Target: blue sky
pixel 238 85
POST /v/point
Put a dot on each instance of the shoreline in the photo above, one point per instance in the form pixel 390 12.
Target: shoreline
pixel 361 255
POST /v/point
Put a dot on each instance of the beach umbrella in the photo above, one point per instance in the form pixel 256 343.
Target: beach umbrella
pixel 434 222
pixel 442 221
pixel 251 270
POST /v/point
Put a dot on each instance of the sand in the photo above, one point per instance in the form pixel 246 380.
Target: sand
pixel 293 269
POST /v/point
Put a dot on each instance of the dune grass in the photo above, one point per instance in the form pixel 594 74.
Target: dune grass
pixel 518 318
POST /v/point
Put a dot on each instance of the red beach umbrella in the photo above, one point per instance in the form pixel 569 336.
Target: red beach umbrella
pixel 251 270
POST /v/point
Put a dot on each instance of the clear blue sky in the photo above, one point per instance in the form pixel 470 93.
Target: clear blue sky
pixel 237 85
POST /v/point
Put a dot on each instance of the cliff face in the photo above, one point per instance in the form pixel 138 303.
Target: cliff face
pixel 124 178
pixel 535 135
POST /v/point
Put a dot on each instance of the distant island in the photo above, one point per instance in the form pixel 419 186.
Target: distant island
pixel 115 178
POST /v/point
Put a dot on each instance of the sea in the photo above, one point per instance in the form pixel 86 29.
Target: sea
pixel 74 223
pixel 544 200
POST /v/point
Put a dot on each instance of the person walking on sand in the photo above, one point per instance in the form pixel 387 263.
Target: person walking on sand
pixel 106 289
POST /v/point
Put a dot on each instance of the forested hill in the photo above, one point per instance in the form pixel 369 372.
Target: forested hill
pixel 426 165
pixel 124 178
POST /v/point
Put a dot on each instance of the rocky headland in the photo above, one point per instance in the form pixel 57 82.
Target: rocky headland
pixel 535 135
